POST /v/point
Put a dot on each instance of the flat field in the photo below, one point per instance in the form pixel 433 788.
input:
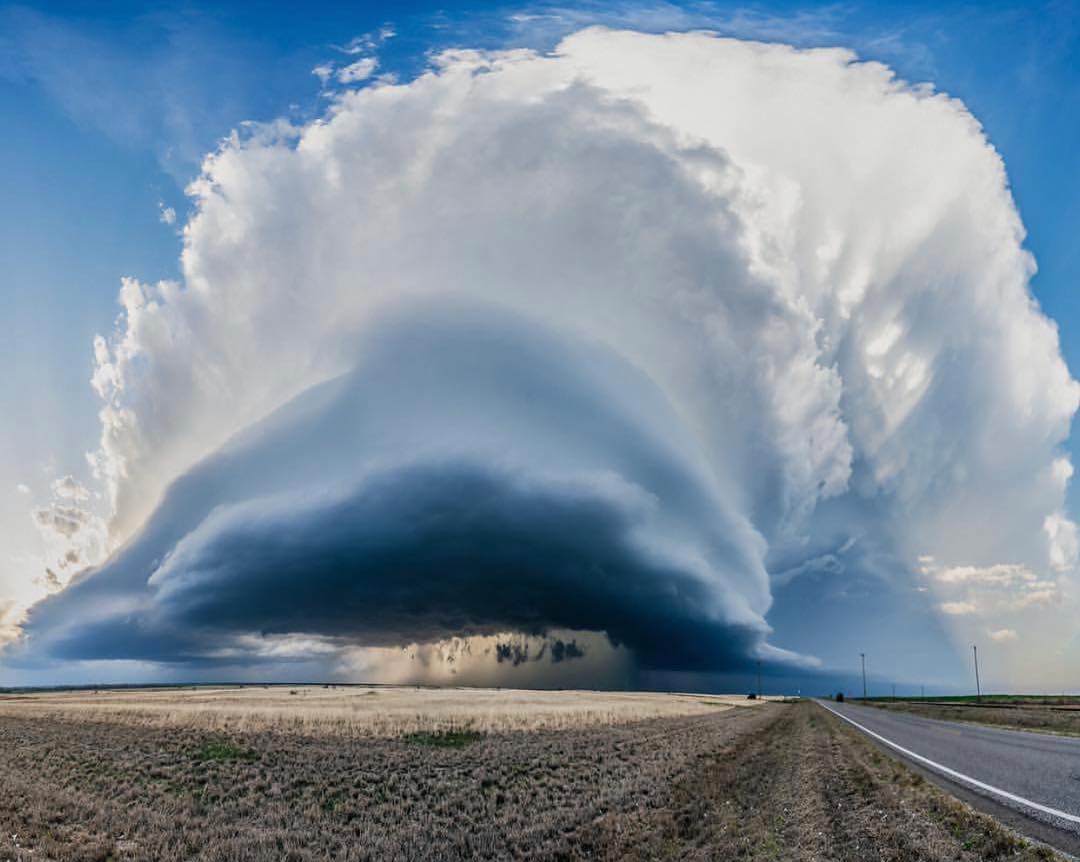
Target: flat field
pixel 1043 714
pixel 776 781
pixel 384 711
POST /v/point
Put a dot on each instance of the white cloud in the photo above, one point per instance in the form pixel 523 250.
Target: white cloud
pixel 1045 595
pixel 22 489
pixel 72 538
pixel 69 488
pixel 814 263
pixel 1062 470
pixel 1002 635
pixel 361 70
pixel 369 41
pixel 10 619
pixel 1064 543
pixel 66 520
pixel 990 590
pixel 831 564
pixel 1001 574
pixel 167 215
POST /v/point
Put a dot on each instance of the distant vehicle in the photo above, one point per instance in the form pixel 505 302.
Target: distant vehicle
pixel 839 697
pixel 751 696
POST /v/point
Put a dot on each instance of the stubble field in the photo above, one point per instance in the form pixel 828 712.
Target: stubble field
pixel 383 711
pixel 776 781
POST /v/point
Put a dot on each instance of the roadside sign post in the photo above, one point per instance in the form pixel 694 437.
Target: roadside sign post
pixel 978 689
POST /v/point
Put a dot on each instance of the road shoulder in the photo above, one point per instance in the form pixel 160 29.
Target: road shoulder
pixel 806 787
pixel 1036 830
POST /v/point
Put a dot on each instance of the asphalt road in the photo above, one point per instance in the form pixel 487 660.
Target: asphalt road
pixel 1034 773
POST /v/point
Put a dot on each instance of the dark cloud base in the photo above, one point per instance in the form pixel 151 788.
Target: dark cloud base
pixel 422 554
pixel 559 498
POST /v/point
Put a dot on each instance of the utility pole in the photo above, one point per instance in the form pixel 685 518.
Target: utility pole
pixel 759 679
pixel 978 690
pixel 862 655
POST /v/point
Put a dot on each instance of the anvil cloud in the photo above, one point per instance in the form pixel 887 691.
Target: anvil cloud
pixel 589 341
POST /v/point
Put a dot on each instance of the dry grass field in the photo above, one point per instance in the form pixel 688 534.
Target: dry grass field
pixel 385 711
pixel 1044 715
pixel 779 781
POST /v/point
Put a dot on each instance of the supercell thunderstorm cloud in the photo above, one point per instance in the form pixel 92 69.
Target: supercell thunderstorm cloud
pixel 615 341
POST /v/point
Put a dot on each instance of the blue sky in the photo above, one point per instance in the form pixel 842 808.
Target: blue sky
pixel 108 113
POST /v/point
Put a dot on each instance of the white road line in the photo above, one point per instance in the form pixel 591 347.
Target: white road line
pixel 959 776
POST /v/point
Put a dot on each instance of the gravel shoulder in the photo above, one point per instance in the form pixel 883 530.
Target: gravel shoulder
pixel 778 782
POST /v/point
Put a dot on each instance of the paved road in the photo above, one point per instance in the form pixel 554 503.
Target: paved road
pixel 1035 773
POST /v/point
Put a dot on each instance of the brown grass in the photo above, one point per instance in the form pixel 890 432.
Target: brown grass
pixel 808 787
pixel 95 790
pixel 1044 718
pixel 361 710
pixel 778 782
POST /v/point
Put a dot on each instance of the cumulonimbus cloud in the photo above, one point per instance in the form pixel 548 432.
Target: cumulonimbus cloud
pixel 811 271
pixel 475 474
